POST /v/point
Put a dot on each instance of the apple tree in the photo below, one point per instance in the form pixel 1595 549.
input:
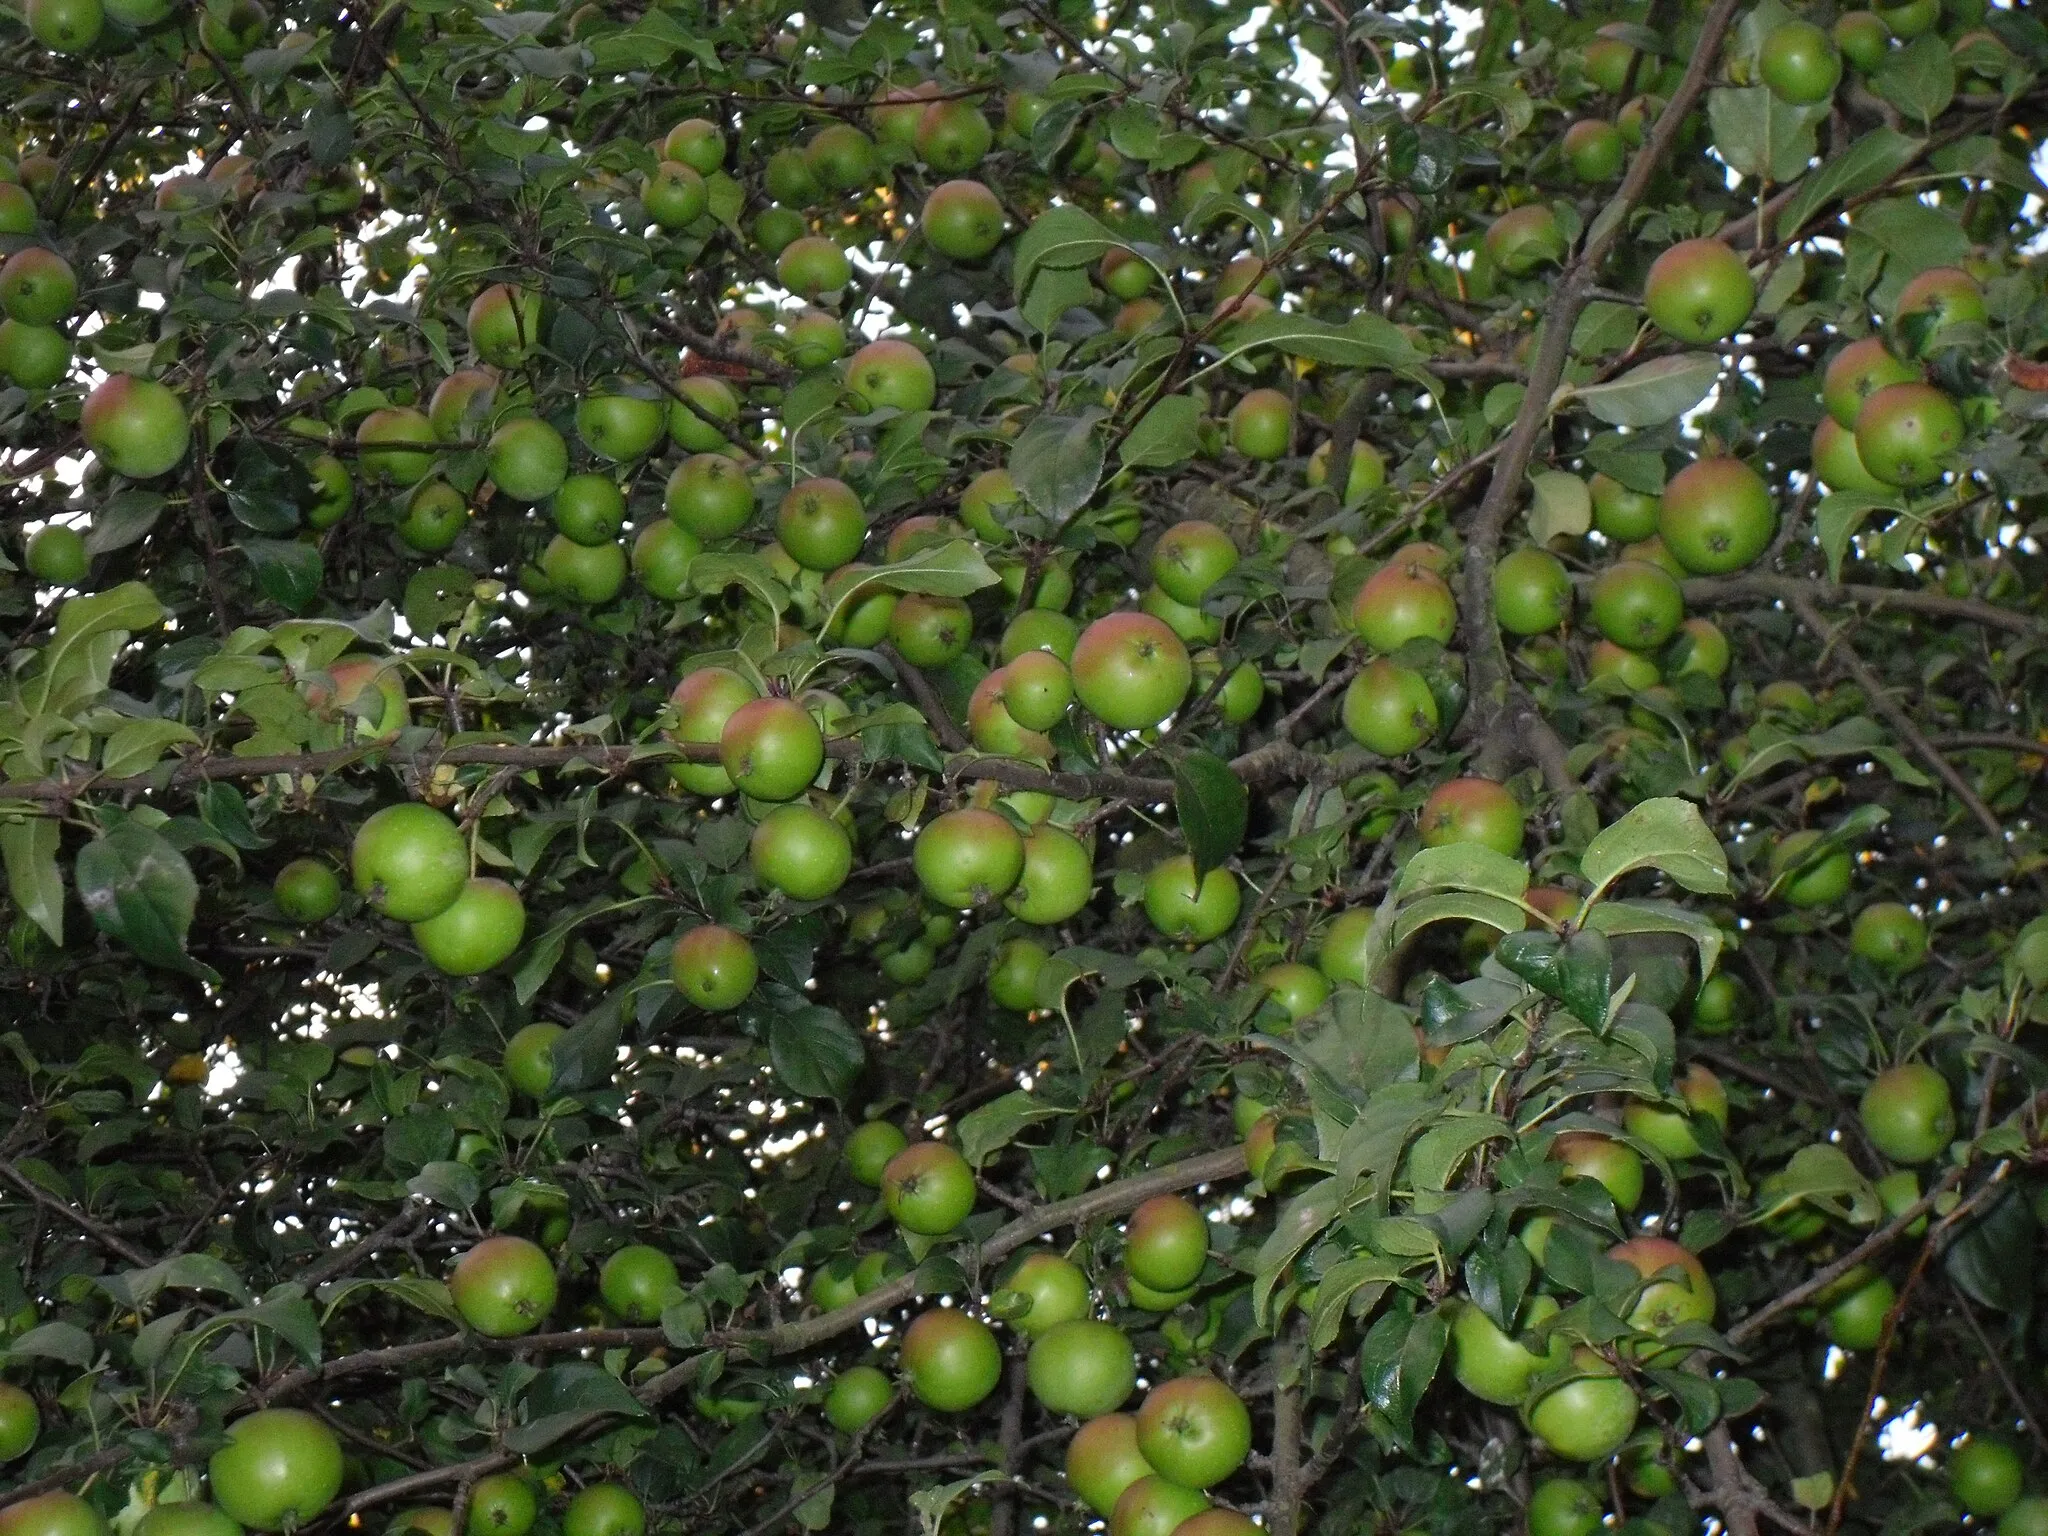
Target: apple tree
pixel 1188 767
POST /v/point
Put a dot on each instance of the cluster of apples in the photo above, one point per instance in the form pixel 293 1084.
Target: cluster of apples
pixel 1145 1473
pixel 1988 1479
pixel 1908 1116
pixel 1577 1401
pixel 282 1467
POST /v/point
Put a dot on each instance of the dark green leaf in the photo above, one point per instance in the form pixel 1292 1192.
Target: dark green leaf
pixel 29 850
pixel 1212 807
pixel 1585 976
pixel 1400 1356
pixel 1536 956
pixel 1164 435
pixel 1497 1275
pixel 1992 1260
pixel 1919 78
pixel 140 890
pixel 814 1053
pixel 1057 463
pixel 288 572
pixel 268 488
pixel 436 595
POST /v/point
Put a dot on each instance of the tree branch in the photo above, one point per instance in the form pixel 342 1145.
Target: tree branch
pixel 927 699
pixel 1881 700
pixel 1276 762
pixel 1733 591
pixel 1109 1200
pixel 1290 1365
pixel 1490 678
pixel 98 1231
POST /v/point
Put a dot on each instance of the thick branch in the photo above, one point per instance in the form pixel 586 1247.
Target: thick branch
pixel 1283 1505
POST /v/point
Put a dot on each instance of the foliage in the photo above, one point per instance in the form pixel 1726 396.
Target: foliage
pixel 1627 867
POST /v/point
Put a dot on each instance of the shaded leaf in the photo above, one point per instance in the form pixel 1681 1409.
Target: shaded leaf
pixel 29 851
pixel 289 572
pixel 140 890
pixel 1212 807
pixel 1164 435
pixel 815 1053
pixel 1057 463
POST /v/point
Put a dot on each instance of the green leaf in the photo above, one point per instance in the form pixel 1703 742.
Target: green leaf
pixel 268 489
pixel 992 1127
pixel 562 1396
pixel 1497 1275
pixel 139 746
pixel 932 1504
pixel 1057 463
pixel 1060 237
pixel 1440 1151
pixel 716 571
pixel 1164 435
pixel 1815 1491
pixel 953 569
pixel 1469 906
pixel 448 1183
pixel 330 131
pixel 1698 1401
pixel 1837 518
pixel 1858 736
pixel 140 890
pixel 29 849
pixel 588 1054
pixel 1364 341
pixel 1651 393
pixel 1536 956
pixel 1864 166
pixel 186 1272
pixel 436 595
pixel 122 519
pixel 1054 291
pixel 1666 834
pixel 1558 504
pixel 1993 1260
pixel 1212 808
pixel 289 572
pixel 1585 976
pixel 90 632
pixel 287 1313
pixel 1462 867
pixel 1400 1356
pixel 815 1053
pixel 1821 1175
pixel 1759 135
pixel 1912 236
pixel 1134 130
pixel 1618 918
pixel 1919 79
pixel 66 1342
